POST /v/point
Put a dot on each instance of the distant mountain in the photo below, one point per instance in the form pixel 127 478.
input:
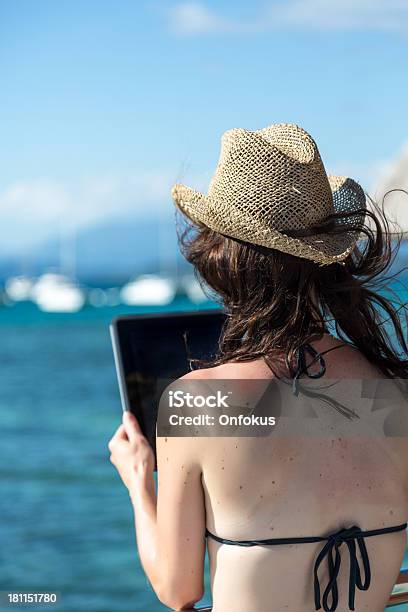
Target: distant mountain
pixel 114 249
pixel 395 177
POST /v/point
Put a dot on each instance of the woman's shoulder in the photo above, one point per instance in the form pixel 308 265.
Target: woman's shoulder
pixel 347 362
pixel 215 372
pixel 231 370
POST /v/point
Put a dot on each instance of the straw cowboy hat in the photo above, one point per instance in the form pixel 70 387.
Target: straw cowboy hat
pixel 270 188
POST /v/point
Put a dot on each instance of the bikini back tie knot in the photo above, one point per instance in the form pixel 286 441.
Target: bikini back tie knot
pixel 331 551
pixel 352 537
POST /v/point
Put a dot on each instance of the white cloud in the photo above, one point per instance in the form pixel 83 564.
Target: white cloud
pixel 32 211
pixel 195 18
pixel 43 199
pixel 340 14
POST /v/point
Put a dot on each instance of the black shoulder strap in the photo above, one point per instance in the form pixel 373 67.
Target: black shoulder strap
pixel 301 366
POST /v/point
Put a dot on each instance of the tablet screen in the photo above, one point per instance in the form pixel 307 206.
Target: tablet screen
pixel 153 350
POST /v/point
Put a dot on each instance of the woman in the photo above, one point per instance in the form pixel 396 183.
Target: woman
pixel 276 240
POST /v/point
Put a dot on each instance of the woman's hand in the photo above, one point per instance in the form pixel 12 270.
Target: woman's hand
pixel 131 454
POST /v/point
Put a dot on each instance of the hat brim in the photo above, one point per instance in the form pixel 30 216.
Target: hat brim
pixel 323 248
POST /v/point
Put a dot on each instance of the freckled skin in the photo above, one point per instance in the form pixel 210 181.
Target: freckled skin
pixel 299 487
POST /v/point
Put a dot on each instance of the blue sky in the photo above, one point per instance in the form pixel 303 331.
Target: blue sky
pixel 104 104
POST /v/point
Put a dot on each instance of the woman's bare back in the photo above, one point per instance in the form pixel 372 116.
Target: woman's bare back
pixel 275 487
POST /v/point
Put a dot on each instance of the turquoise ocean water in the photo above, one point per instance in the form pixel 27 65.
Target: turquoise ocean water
pixel 66 521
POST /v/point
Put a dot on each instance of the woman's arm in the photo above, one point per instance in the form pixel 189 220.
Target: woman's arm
pixel 170 529
pixel 181 519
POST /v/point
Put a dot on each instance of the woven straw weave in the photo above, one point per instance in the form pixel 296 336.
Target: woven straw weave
pixel 271 185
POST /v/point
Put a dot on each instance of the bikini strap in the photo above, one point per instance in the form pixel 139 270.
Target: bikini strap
pixel 353 538
pixel 302 367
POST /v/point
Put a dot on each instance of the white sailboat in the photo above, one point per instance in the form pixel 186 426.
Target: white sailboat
pixel 18 288
pixel 156 289
pixel 57 293
pixel 193 289
pixel 149 290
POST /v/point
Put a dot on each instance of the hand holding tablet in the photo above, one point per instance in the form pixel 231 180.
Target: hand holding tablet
pixel 152 350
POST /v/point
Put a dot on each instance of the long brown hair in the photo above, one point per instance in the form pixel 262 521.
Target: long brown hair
pixel 277 302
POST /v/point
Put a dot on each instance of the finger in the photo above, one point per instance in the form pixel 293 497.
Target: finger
pixel 131 425
pixel 120 434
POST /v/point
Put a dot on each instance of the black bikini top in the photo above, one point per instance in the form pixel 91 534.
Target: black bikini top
pixel 353 536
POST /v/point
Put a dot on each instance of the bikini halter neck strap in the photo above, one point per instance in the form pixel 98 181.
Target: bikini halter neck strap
pixel 302 367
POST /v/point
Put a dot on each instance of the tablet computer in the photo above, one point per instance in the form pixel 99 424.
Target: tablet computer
pixel 152 350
